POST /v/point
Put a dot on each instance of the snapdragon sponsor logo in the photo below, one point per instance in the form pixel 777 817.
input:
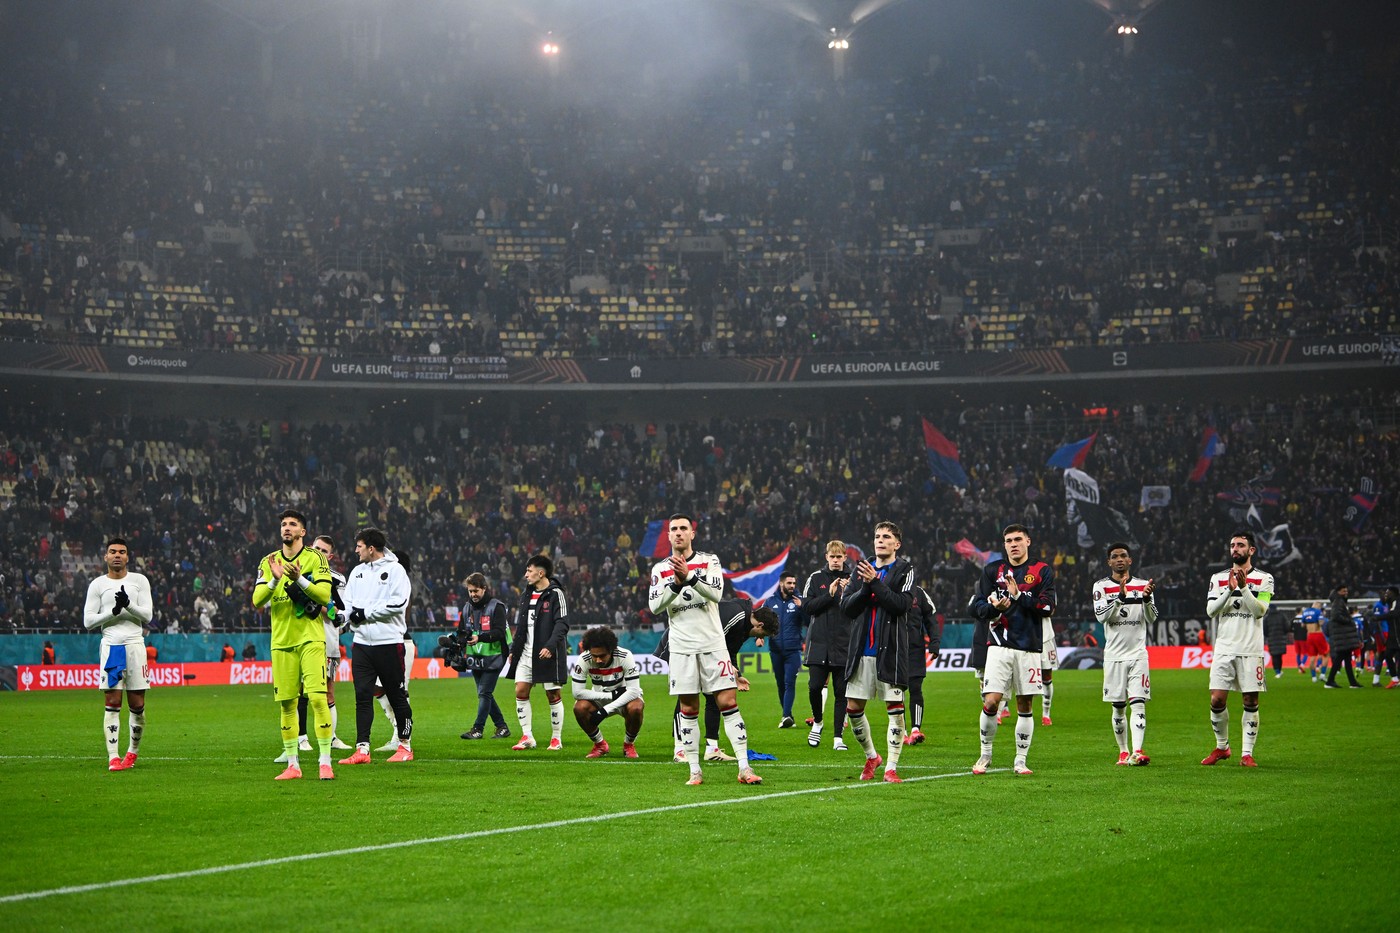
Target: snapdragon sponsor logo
pixel 155 362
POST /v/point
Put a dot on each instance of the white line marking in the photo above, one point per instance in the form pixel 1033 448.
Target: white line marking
pixel 455 837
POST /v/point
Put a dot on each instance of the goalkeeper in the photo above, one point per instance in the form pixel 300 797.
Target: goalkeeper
pixel 296 580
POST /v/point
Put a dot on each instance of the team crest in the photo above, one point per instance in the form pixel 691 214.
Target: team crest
pixel 1030 579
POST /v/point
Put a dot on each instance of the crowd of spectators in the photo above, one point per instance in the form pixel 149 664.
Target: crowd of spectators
pixel 198 499
pixel 1096 187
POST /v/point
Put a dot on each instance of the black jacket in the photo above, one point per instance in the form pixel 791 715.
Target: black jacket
pixel 828 630
pixel 1342 633
pixel 924 632
pixel 550 631
pixel 878 610
pixel 1278 631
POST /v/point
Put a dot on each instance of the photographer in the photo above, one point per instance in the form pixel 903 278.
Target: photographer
pixel 479 645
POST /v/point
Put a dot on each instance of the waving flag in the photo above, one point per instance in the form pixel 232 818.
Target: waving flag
pixel 943 457
pixel 1072 456
pixel 654 542
pixel 1211 447
pixel 1362 503
pixel 970 551
pixel 758 583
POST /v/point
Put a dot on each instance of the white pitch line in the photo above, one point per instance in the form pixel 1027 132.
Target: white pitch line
pixel 455 837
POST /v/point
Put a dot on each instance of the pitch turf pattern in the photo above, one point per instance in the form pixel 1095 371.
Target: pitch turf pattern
pixel 199 836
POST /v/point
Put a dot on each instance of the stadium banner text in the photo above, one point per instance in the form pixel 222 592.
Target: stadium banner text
pixel 215 366
pixel 230 673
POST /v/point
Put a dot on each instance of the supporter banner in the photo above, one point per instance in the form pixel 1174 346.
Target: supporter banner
pixel 216 366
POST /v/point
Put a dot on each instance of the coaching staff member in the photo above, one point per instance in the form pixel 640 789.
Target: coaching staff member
pixel 376 596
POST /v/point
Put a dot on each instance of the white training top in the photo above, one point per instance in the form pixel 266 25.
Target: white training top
pixel 1239 614
pixel 1125 612
pixel 692 610
pixel 131 622
pixel 606 679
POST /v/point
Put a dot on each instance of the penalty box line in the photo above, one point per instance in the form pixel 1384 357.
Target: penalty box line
pixel 454 837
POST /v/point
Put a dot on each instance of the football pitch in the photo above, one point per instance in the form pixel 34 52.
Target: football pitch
pixel 199 836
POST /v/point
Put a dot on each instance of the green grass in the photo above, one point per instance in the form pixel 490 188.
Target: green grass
pixel 1081 844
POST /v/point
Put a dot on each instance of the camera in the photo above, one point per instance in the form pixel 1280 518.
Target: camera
pixel 454 653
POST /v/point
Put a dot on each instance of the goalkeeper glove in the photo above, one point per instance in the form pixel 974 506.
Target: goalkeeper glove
pixel 120 601
pixel 298 596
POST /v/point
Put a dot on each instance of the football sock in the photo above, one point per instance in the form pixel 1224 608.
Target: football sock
pixel 1250 724
pixel 1025 729
pixel 136 726
pixel 301 716
pixel 1045 699
pixel 1120 728
pixel 556 719
pixel 389 711
pixel 1137 722
pixel 738 734
pixel 1221 725
pixel 690 735
pixel 711 743
pixel 526 716
pixel 287 710
pixel 987 730
pixel 335 717
pixel 894 742
pixel 630 738
pixel 860 728
pixel 321 722
pixel 595 737
pixel 111 730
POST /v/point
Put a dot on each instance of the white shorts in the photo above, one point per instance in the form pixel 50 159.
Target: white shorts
pixel 1011 672
pixel 1242 673
pixel 864 685
pixel 332 641
pixel 1126 680
pixel 1048 656
pixel 709 672
pixel 128 666
pixel 525 674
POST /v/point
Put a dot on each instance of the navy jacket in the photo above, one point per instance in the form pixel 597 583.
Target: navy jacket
pixel 791 621
pixel 1020 626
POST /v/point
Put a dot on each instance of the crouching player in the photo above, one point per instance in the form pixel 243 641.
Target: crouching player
pixel 606 682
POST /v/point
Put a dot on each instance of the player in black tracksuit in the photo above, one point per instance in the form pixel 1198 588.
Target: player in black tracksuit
pixel 740 622
pixel 925 635
pixel 828 637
